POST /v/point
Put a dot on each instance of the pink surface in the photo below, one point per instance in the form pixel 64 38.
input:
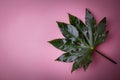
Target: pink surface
pixel 27 25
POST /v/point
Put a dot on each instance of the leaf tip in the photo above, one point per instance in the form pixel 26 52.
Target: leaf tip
pixel 104 19
pixel 72 71
pixel 57 59
pixel 70 15
pixel 87 10
pixel 107 32
pixel 57 22
pixel 84 69
pixel 49 42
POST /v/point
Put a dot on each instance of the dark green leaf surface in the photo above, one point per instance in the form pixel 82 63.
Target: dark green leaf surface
pixel 90 20
pixel 63 44
pixel 101 38
pixel 101 26
pixel 91 24
pixel 83 60
pixel 80 39
pixel 80 26
pixel 69 57
pixel 68 31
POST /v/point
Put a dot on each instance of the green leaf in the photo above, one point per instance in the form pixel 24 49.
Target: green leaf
pixel 87 61
pixel 83 60
pixel 80 40
pixel 101 38
pixel 69 56
pixel 78 24
pixel 68 31
pixel 91 24
pixel 90 20
pixel 81 28
pixel 77 64
pixel 63 44
pixel 101 26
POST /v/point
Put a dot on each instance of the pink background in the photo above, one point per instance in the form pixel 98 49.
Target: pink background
pixel 27 25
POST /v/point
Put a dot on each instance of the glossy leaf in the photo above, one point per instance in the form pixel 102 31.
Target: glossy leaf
pixel 101 26
pixel 90 20
pixel 91 24
pixel 83 60
pixel 69 56
pixel 101 38
pixel 68 30
pixel 80 39
pixel 63 44
pixel 83 30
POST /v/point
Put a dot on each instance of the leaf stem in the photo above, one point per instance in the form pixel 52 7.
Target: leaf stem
pixel 106 57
